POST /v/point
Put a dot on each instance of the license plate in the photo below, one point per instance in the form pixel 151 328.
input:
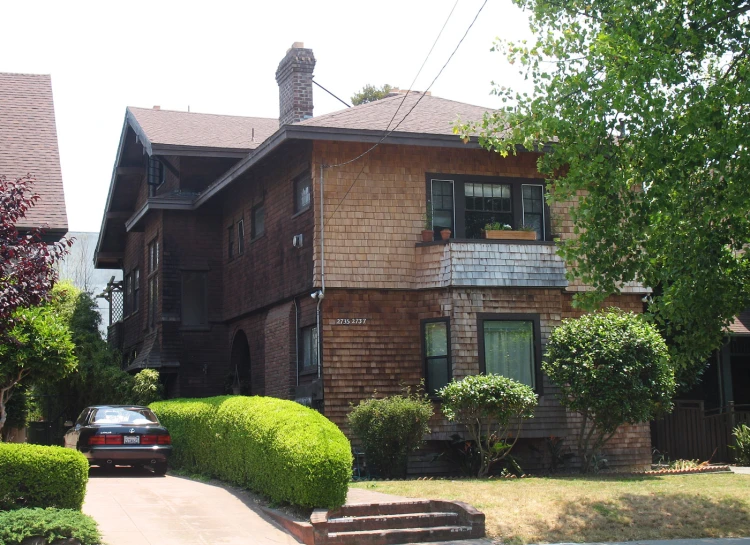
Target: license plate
pixel 131 440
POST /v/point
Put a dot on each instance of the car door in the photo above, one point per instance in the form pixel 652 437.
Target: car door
pixel 72 435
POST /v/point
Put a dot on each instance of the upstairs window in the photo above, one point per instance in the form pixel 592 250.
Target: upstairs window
pixel 230 242
pixel 136 290
pixel 156 174
pixel 153 281
pixel 302 192
pixel 258 221
pixel 465 204
pixel 194 299
pixel 240 237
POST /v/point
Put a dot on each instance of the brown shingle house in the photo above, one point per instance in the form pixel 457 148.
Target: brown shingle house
pixel 285 258
pixel 28 145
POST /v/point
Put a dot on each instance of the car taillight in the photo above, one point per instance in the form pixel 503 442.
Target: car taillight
pixel 148 439
pixel 105 440
pixel 165 440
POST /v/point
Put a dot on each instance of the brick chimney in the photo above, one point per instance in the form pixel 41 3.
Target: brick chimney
pixel 294 77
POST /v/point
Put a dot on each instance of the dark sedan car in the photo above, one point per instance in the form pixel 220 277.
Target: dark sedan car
pixel 109 435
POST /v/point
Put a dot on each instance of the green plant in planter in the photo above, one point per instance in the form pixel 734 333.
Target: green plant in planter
pixel 427 219
pixel 497 226
pixel 527 227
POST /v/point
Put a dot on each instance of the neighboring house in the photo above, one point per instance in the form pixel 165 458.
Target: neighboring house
pixel 218 225
pixel 28 145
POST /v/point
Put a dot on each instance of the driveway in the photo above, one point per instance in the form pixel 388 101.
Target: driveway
pixel 134 506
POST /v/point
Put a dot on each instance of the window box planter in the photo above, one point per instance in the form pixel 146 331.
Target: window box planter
pixel 509 235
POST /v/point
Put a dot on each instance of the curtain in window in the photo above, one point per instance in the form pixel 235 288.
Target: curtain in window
pixel 509 350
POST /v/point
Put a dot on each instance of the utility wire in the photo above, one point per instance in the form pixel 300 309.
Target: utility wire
pixel 330 93
pixel 389 132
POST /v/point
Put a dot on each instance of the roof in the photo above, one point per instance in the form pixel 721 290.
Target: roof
pixel 28 145
pixel 741 323
pixel 430 115
pixel 194 130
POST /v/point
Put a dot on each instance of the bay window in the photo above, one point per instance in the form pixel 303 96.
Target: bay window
pixel 510 345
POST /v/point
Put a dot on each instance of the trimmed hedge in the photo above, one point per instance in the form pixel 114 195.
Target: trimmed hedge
pixel 279 448
pixel 51 524
pixel 38 476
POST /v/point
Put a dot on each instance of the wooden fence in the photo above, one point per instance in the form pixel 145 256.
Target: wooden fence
pixel 691 433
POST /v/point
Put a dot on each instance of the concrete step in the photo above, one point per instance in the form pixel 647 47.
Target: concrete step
pixel 368 509
pixel 402 535
pixel 392 522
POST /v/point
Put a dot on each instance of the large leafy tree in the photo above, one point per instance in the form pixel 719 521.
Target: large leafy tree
pixel 26 262
pixel 645 106
pixel 38 348
pixel 370 93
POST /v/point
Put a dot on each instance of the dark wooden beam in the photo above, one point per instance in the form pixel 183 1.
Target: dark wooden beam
pixel 130 171
pixel 119 214
pixel 109 256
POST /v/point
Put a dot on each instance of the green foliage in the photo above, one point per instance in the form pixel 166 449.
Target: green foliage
pixel 51 524
pixel 390 428
pixel 279 448
pixel 741 444
pixel 39 348
pixel 370 93
pixel 37 476
pixel 146 387
pixel 98 379
pixel 489 406
pixel 613 368
pixel 497 226
pixel 647 103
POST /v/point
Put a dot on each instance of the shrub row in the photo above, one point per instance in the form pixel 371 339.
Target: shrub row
pixel 279 448
pixel 37 476
pixel 51 524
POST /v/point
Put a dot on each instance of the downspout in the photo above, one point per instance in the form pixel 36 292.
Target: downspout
pixel 296 338
pixel 322 292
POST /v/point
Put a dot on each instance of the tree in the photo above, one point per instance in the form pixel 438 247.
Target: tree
pixel 489 406
pixel 612 368
pixel 647 107
pixel 39 348
pixel 27 273
pixel 370 93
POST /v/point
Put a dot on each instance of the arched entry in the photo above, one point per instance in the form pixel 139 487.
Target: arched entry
pixel 240 364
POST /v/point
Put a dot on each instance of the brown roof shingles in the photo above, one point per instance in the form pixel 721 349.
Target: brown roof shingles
pixel 190 129
pixel 28 145
pixel 432 115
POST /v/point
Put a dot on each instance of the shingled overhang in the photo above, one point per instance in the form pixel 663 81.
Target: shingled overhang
pixel 28 145
pixel 415 120
pixel 162 133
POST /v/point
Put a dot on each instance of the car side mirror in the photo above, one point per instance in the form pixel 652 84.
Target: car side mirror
pixel 68 424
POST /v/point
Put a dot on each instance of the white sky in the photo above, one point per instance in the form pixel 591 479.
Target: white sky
pixel 221 57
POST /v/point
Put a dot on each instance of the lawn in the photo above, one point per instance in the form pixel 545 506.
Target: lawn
pixel 586 509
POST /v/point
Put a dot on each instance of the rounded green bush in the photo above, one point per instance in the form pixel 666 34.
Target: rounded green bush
pixel 279 448
pixel 38 476
pixel 51 524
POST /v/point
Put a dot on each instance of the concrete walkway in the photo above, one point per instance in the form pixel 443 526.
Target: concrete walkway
pixel 135 507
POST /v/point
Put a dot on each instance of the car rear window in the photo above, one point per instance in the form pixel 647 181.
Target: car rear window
pixel 123 416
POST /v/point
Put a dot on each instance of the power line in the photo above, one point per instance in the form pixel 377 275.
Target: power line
pixel 330 93
pixel 389 132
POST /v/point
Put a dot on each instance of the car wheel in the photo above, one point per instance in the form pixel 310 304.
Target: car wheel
pixel 160 468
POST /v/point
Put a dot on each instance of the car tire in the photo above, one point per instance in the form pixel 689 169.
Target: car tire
pixel 160 468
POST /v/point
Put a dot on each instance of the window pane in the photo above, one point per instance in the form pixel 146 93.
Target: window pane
pixel 442 204
pixel 436 339
pixel 302 192
pixel 469 190
pixel 533 209
pixel 259 221
pixel 509 350
pixel 437 373
pixel 442 220
pixel 309 356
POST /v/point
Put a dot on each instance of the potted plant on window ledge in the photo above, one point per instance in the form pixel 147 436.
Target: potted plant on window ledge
pixel 503 231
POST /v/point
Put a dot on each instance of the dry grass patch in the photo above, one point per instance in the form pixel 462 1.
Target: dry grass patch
pixel 587 509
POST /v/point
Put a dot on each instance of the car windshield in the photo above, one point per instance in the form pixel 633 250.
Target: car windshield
pixel 110 415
